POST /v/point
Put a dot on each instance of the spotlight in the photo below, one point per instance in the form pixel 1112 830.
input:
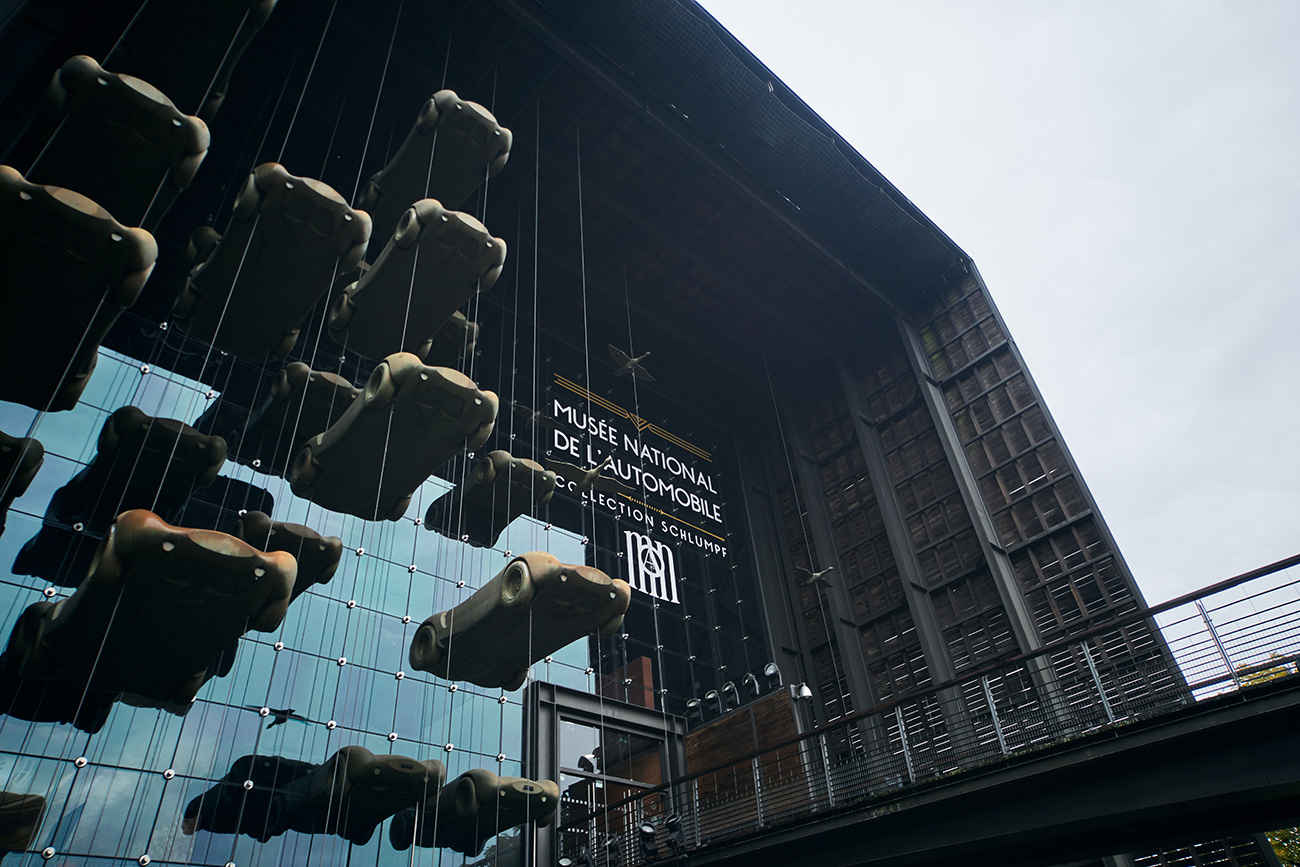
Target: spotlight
pixel 729 691
pixel 773 672
pixel 676 836
pixel 714 695
pixel 613 852
pixel 587 763
pixel 581 859
pixel 804 692
pixel 649 846
pixel 694 706
pixel 751 681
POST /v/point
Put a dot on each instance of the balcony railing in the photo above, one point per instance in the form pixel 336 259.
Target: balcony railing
pixel 1227 637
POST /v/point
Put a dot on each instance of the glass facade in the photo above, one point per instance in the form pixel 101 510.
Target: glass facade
pixel 333 663
pixel 769 396
pixel 334 672
pixel 248 773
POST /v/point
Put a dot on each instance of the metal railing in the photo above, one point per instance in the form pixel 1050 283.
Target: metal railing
pixel 1230 636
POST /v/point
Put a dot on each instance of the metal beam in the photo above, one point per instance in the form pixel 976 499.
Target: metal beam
pixel 679 130
pixel 900 541
pixel 1227 766
pixel 842 625
pixel 1004 578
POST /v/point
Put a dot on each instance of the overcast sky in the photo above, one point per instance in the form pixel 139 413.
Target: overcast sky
pixel 1126 175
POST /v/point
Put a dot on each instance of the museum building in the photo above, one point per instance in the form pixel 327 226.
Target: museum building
pixel 432 429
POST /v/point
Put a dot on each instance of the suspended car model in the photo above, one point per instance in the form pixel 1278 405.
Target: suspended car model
pixel 250 288
pixel 318 556
pixel 137 457
pixel 215 506
pixel 60 700
pixel 20 459
pixel 229 808
pixel 243 390
pixel 455 341
pixel 454 147
pixel 190 49
pixel 70 270
pixel 140 462
pixel 473 809
pixel 536 600
pixel 434 263
pixel 502 488
pixel 303 403
pixel 410 420
pixel 353 792
pixel 159 605
pixel 19 816
pixel 120 141
pixel 452 342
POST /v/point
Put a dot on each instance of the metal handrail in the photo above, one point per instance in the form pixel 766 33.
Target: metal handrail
pixel 1063 690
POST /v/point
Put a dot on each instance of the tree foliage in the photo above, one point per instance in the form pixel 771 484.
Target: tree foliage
pixel 1276 667
pixel 1286 843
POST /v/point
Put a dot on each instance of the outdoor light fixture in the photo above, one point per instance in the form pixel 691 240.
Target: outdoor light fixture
pixel 751 680
pixel 587 762
pixel 649 846
pixel 693 706
pixel 773 672
pixel 582 859
pixel 804 692
pixel 676 836
pixel 729 690
pixel 714 695
pixel 613 852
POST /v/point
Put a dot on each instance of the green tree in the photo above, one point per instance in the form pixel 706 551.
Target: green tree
pixel 1276 667
pixel 1286 843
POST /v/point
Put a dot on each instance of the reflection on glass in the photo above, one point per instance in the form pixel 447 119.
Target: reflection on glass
pixel 308 722
pixel 472 809
pixel 19 816
pixel 348 795
pixel 609 752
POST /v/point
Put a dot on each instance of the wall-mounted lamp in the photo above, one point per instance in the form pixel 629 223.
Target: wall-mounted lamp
pixel 581 859
pixel 750 680
pixel 804 692
pixel 714 695
pixel 730 693
pixel 676 835
pixel 773 673
pixel 693 707
pixel 613 852
pixel 646 835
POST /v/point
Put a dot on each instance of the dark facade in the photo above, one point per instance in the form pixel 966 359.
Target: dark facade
pixel 833 389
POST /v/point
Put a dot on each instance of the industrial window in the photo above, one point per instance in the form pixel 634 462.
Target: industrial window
pixel 979 640
pixel 877 596
pixel 950 558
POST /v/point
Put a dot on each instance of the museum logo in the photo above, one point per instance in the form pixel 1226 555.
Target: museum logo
pixel 651 567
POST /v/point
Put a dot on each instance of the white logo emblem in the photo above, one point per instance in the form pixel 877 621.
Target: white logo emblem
pixel 651 566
